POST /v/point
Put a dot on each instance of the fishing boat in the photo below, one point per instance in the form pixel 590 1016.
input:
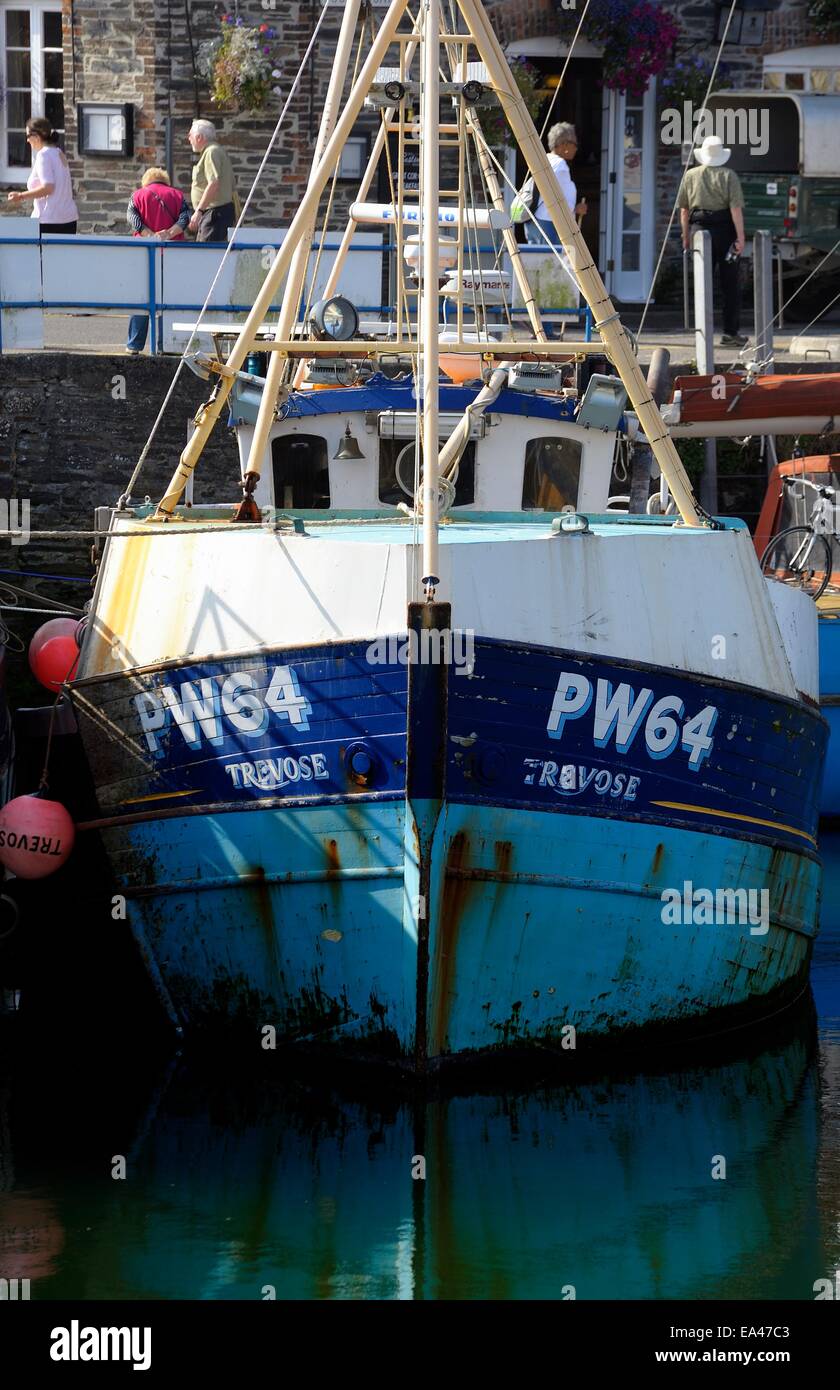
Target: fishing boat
pixel 427 754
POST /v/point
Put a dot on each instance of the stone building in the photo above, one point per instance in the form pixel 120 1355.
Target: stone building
pixel 56 56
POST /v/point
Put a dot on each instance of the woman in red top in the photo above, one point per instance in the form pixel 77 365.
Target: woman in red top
pixel 158 210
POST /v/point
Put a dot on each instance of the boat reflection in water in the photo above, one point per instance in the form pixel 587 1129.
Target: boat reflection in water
pixel 598 1189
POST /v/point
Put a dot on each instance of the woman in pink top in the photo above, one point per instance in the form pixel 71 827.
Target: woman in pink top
pixel 48 185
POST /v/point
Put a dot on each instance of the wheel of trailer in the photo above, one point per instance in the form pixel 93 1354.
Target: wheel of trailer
pixel 800 557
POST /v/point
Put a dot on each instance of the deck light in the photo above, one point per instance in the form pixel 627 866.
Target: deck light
pixel 570 522
pixel 473 92
pixel 334 318
pixel 603 403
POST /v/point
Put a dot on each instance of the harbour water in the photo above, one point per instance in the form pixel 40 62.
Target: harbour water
pixel 705 1175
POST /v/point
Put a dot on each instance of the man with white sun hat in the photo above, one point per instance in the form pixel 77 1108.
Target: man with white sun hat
pixel 711 198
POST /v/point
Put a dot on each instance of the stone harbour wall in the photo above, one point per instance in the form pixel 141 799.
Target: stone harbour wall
pixel 72 427
pixel 144 52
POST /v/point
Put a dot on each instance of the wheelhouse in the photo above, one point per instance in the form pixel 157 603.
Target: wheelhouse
pixel 353 450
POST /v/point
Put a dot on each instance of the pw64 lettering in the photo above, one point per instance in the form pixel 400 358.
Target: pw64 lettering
pixel 619 715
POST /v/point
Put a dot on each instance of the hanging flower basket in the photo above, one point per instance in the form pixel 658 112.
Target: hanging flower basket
pixel 688 81
pixel 239 65
pixel 637 36
pixel 493 123
pixel 824 17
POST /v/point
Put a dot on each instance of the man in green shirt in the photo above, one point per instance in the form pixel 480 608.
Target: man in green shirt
pixel 710 198
pixel 212 185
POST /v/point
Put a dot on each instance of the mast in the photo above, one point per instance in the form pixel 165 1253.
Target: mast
pixel 295 249
pixel 606 319
pixel 508 235
pixel 297 271
pixel 209 413
pixel 428 356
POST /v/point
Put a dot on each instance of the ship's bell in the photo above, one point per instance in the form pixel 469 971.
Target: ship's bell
pixel 349 446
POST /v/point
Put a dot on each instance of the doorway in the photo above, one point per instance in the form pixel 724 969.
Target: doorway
pixel 626 250
pixel 578 102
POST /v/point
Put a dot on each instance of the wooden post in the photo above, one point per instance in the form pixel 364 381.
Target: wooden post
pixel 704 339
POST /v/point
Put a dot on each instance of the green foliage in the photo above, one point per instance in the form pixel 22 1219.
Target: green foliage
pixel 824 17
pixel 688 80
pixel 493 124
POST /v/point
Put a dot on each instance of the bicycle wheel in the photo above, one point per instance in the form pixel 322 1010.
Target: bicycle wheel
pixel 800 557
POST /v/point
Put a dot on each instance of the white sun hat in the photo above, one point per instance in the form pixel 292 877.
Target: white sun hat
pixel 712 151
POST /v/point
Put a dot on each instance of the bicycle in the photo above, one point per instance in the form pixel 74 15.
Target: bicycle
pixel 801 555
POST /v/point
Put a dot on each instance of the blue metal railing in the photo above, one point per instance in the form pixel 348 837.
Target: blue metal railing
pixel 155 307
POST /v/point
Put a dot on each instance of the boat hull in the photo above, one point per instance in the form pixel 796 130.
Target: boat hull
pixel 829 639
pixel 318 951
pixel 535 884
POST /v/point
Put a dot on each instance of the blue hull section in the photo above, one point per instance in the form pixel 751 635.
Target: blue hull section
pixel 829 636
pixel 457 863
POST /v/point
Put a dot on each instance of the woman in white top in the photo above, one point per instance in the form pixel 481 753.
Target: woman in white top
pixel 48 185
pixel 562 146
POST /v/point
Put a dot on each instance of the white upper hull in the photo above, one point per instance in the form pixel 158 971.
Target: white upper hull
pixel 656 594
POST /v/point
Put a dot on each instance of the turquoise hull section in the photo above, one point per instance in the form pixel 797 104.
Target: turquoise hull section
pixel 297 919
pixel 419 863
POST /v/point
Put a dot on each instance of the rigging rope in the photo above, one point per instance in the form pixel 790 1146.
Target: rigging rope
pixel 679 185
pixel 563 73
pixel 824 309
pixel 123 501
pixel 334 181
pixel 817 268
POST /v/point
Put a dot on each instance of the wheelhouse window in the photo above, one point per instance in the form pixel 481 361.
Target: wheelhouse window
pixel 552 474
pixel 301 472
pixel 396 472
pixel 32 77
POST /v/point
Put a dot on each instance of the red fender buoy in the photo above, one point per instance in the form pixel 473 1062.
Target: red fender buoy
pixel 36 836
pixel 54 652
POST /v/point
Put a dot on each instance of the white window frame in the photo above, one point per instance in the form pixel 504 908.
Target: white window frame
pixel 37 9
pixel 355 145
pixel 630 286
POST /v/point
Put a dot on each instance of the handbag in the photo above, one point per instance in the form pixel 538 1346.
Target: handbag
pixel 521 205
